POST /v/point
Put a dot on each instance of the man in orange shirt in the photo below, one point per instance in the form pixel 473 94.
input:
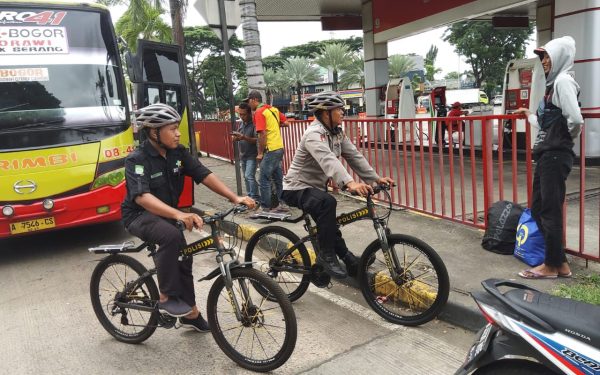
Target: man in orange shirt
pixel 267 120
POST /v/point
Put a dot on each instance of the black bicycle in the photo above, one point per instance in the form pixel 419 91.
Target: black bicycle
pixel 401 277
pixel 256 330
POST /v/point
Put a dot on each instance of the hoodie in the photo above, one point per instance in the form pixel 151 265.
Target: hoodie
pixel 565 89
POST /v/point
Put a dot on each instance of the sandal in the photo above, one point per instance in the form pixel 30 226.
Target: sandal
pixel 532 274
pixel 565 275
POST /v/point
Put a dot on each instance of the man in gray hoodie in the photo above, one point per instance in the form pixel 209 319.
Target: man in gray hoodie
pixel 315 164
pixel 559 121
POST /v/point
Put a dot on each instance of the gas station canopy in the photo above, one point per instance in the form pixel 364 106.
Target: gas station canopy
pixel 397 19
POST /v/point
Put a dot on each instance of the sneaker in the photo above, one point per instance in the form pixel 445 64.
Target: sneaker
pixel 281 208
pixel 199 324
pixel 351 263
pixel 174 307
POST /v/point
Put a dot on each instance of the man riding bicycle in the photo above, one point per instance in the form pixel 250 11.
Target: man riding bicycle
pixel 154 177
pixel 315 164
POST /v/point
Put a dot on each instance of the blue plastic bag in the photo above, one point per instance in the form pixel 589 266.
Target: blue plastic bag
pixel 529 245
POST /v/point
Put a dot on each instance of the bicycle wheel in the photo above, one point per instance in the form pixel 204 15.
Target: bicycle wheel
pixel 265 337
pixel 115 278
pixel 263 248
pixel 418 291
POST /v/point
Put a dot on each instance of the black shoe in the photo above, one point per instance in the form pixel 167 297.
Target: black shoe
pixel 174 307
pixel 199 324
pixel 351 263
pixel 331 265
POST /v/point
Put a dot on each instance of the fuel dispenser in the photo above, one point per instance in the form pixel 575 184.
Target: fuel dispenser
pixel 524 86
pixel 399 103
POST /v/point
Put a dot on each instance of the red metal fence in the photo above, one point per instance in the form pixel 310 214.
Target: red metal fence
pixel 458 182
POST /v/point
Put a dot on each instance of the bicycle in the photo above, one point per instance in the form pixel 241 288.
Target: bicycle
pixel 257 331
pixel 401 277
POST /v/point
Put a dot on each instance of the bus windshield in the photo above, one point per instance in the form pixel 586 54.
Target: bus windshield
pixel 60 80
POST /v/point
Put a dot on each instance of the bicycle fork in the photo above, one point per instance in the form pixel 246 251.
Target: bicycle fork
pixel 391 258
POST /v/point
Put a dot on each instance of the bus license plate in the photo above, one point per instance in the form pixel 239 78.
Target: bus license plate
pixel 32 225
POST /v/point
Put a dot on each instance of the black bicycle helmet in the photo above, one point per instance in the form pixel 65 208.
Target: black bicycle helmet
pixel 325 100
pixel 156 115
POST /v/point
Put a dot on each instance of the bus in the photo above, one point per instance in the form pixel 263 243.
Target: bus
pixel 65 125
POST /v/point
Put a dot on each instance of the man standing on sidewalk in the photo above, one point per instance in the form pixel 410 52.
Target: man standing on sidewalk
pixel 267 120
pixel 246 140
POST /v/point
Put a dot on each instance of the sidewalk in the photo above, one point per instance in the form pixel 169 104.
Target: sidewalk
pixel 459 246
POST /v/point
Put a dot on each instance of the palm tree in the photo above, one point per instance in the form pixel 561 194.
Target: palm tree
pixel 399 65
pixel 430 69
pixel 142 20
pixel 254 67
pixel 301 72
pixel 354 73
pixel 177 10
pixel 276 83
pixel 333 56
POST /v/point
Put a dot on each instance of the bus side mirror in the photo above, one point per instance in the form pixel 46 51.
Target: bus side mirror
pixel 134 70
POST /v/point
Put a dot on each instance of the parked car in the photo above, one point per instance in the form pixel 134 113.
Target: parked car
pixel 497 100
pixel 290 115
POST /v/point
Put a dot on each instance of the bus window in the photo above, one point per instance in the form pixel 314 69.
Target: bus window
pixel 152 95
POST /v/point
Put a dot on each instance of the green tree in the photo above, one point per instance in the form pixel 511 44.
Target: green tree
pixel 206 69
pixel 452 75
pixel 486 49
pixel 142 20
pixel 399 65
pixel 430 69
pixel 308 50
pixel 354 73
pixel 334 56
pixel 276 82
pixel 301 72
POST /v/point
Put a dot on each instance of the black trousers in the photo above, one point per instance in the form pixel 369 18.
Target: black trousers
pixel 321 207
pixel 549 188
pixel 175 277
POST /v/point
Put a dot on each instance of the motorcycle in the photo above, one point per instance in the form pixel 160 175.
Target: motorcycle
pixel 531 332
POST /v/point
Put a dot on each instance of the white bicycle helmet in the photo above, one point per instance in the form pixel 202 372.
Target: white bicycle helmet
pixel 325 100
pixel 156 115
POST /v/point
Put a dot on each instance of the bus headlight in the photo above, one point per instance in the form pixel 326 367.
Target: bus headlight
pixel 112 178
pixel 8 211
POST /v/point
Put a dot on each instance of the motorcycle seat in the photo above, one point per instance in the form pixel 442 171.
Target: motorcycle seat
pixel 573 318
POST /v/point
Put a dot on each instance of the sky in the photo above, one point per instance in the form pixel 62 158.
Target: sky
pixel 276 35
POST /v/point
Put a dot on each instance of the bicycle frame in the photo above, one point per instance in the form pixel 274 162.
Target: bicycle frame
pixel 344 219
pixel 213 242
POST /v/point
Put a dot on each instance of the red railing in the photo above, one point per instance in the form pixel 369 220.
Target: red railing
pixel 460 182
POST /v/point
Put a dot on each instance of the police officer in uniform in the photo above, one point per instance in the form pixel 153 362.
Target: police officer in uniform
pixel 154 177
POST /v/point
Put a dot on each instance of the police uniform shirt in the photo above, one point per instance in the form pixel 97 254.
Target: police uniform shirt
pixel 146 171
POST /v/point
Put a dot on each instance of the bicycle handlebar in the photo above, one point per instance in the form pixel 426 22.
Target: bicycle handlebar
pixel 209 219
pixel 376 189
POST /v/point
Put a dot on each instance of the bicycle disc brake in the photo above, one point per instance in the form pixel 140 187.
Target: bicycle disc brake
pixel 319 277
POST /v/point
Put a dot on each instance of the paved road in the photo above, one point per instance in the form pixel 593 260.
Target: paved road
pixel 49 325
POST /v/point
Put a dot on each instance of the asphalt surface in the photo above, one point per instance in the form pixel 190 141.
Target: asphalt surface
pixel 49 326
pixel 459 246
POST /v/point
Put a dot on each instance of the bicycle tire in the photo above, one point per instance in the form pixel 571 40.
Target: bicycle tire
pixel 273 239
pixel 254 319
pixel 109 279
pixel 418 295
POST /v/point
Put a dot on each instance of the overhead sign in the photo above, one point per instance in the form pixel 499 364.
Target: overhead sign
pixel 209 10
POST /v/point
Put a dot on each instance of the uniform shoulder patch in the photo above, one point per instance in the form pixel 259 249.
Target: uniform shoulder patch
pixel 139 169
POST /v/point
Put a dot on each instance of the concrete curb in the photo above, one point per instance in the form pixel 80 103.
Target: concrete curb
pixel 454 312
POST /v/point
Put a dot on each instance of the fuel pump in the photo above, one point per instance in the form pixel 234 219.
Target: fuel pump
pixel 399 103
pixel 524 84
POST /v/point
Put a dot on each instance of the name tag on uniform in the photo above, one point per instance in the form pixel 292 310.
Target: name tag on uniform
pixel 157 174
